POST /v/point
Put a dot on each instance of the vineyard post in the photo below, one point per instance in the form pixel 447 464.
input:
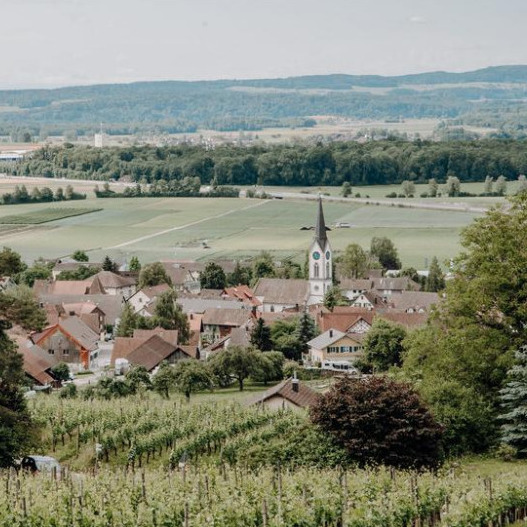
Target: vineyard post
pixel 186 515
pixel 279 494
pixel 264 513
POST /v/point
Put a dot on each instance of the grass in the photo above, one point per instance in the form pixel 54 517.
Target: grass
pixel 44 215
pixel 233 228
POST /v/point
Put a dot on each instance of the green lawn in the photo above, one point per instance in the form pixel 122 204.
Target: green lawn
pixel 44 215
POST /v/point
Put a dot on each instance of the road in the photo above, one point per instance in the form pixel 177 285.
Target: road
pixel 410 204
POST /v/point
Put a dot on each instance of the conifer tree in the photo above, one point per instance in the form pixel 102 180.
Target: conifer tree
pixel 435 280
pixel 514 400
pixel 305 330
pixel 128 322
pixel 261 336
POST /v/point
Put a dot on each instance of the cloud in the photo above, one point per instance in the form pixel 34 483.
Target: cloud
pixel 417 19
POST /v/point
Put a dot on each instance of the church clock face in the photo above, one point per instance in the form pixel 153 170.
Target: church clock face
pixel 328 255
pixel 316 255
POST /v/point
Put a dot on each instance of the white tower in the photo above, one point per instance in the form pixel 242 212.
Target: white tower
pixel 320 261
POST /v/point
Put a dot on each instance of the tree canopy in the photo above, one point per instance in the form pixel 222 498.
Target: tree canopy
pixel 380 421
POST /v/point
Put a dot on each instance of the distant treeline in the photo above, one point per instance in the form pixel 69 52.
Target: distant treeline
pixel 39 195
pixel 371 163
pixel 186 188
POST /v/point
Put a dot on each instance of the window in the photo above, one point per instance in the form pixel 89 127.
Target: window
pixel 333 349
pixel 51 352
pixel 316 270
pixel 328 271
pixel 65 352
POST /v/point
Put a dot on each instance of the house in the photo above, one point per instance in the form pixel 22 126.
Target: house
pixel 37 367
pixel 115 284
pixel 414 301
pixel 91 314
pixel 280 294
pixel 344 318
pixel 218 323
pixel 290 393
pixel 334 346
pixel 351 288
pixel 146 297
pixel 241 293
pixel 148 348
pixel 110 305
pixel 387 287
pixel 368 300
pixel 70 341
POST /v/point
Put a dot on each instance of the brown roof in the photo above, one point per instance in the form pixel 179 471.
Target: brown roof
pixel 52 313
pixel 123 346
pixel 169 335
pixel 35 365
pixel 226 317
pixel 240 337
pixel 343 317
pixel 70 287
pixel 154 291
pixel 304 398
pixel 414 300
pixel 282 291
pixel 110 305
pixel 195 321
pixel 151 353
pixel 92 321
pixel 110 280
pixel 409 320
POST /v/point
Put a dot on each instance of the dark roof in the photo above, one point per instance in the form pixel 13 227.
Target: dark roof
pixel 414 300
pixel 151 353
pixel 305 396
pixel 110 280
pixel 320 227
pixel 111 305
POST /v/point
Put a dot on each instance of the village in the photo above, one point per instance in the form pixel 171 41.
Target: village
pixel 83 316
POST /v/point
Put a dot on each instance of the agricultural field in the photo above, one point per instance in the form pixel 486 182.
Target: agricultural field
pixel 167 462
pixel 170 228
pixel 44 215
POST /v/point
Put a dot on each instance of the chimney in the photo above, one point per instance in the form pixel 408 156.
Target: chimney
pixel 330 333
pixel 294 383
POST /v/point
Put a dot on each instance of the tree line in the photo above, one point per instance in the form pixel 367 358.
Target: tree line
pixel 20 194
pixel 370 163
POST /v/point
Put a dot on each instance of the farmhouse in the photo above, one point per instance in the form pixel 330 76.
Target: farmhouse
pixel 290 393
pixel 280 294
pixel 71 341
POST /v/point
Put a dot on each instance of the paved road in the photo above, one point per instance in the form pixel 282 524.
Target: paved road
pixel 458 207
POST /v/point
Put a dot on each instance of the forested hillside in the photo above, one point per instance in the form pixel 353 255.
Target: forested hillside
pixel 490 97
pixel 374 162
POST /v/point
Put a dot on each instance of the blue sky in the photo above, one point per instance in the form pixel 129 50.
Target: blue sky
pixel 46 43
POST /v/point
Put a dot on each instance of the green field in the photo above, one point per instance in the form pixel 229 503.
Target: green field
pixel 44 215
pixel 169 228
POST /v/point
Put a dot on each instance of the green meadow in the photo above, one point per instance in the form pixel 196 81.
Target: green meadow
pixel 213 228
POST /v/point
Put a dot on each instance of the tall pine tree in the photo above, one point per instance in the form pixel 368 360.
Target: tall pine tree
pixel 514 400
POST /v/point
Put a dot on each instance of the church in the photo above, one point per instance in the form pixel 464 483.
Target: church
pixel 320 261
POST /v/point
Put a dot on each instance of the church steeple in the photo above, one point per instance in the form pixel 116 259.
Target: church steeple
pixel 320 261
pixel 320 227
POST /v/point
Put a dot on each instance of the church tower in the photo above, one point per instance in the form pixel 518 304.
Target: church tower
pixel 320 261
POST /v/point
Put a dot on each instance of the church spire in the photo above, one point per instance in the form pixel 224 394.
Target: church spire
pixel 320 227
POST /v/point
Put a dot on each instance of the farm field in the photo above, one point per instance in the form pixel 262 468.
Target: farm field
pixel 44 215
pixel 168 228
pixel 243 466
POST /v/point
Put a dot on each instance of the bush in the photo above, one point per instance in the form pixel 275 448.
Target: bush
pixel 380 421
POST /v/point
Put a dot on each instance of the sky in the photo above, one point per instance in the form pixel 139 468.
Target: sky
pixel 50 43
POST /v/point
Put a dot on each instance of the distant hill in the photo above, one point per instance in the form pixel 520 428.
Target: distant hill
pixel 494 96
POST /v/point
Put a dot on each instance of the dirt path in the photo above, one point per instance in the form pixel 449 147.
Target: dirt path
pixel 181 227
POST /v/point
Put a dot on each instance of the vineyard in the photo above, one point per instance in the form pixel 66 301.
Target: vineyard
pixel 222 496
pixel 147 461
pixel 148 430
